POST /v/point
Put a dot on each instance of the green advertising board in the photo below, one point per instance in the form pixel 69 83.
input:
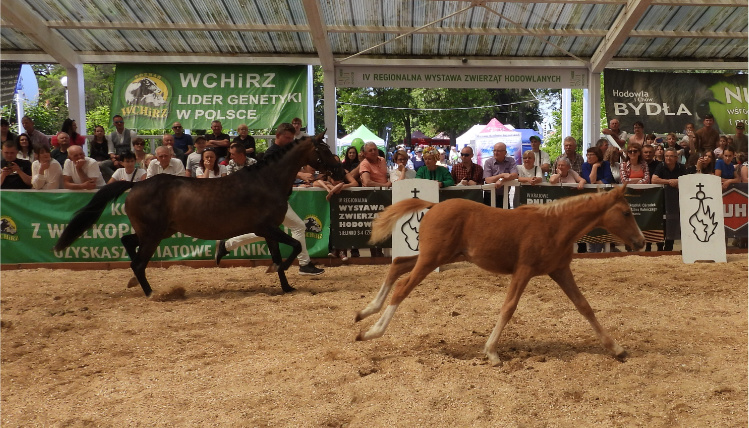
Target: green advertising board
pixel 152 96
pixel 33 220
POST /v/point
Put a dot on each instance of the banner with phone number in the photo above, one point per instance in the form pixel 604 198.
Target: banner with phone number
pixel 33 220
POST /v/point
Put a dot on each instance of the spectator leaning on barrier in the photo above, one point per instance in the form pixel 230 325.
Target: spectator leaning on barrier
pixel 16 173
pixel 528 172
pixel 401 171
pixel 209 166
pixel 668 174
pixel 81 172
pixel 128 172
pixel 614 156
pixel 595 169
pixel 465 172
pixel 565 174
pixel 373 169
pixel 165 164
pixel 46 173
pixel 432 171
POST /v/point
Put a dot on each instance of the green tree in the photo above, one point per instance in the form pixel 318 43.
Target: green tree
pixel 393 109
pixel 449 119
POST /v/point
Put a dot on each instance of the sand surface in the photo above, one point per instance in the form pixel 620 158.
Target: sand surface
pixel 80 349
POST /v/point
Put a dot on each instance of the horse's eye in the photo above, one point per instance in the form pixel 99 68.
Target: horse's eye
pixel 627 213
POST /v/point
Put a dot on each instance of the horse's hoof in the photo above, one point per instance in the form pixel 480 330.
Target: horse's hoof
pixel 358 317
pixel 622 356
pixel 133 282
pixel 288 289
pixel 360 336
pixel 272 268
pixel 494 359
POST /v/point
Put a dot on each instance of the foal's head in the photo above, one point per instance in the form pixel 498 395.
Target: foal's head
pixel 619 220
pixel 322 159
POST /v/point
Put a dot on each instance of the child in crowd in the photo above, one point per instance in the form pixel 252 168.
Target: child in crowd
pixel 128 172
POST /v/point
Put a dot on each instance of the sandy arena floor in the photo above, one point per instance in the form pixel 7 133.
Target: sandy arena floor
pixel 80 349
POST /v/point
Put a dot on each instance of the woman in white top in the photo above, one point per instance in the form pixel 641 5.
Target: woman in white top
pixel 128 172
pixel 528 172
pixel 208 167
pixel 401 171
pixel 46 173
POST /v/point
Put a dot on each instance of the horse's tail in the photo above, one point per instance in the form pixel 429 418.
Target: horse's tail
pixel 382 226
pixel 88 215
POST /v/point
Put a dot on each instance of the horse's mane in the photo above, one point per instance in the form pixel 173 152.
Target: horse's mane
pixel 560 205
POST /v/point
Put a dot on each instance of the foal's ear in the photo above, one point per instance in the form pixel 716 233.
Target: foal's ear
pixel 620 190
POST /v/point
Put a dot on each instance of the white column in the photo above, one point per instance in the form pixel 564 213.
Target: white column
pixel 566 113
pixel 77 97
pixel 585 143
pixel 592 119
pixel 330 107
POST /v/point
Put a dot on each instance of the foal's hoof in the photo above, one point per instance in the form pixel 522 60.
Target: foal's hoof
pixel 622 356
pixel 133 282
pixel 272 268
pixel 288 289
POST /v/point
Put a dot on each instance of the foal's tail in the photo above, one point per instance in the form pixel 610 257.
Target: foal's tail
pixel 382 226
pixel 88 215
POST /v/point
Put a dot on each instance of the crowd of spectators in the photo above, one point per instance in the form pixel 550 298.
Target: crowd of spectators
pixel 32 160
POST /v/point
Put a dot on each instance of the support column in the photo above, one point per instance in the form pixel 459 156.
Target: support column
pixel 592 119
pixel 566 113
pixel 330 107
pixel 77 97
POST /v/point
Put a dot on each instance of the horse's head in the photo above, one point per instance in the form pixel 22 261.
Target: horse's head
pixel 620 221
pixel 323 159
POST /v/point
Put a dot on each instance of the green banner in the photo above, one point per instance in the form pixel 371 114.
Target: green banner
pixel 153 96
pixel 33 220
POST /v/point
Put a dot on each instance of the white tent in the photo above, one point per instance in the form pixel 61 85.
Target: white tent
pixel 494 133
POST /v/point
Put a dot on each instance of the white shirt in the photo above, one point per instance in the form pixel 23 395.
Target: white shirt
pixel 395 174
pixel 92 171
pixel 533 172
pixel 121 175
pixel 221 172
pixel 51 179
pixel 175 168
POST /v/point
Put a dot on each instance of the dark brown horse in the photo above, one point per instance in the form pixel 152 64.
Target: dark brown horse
pixel 254 199
pixel 528 241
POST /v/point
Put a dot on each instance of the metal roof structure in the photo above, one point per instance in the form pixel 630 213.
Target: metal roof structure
pixel 595 34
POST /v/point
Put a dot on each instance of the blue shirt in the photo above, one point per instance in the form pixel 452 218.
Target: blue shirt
pixel 726 170
pixel 603 174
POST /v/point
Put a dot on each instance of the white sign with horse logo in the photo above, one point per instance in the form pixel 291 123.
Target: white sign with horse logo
pixel 703 236
pixel 406 232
